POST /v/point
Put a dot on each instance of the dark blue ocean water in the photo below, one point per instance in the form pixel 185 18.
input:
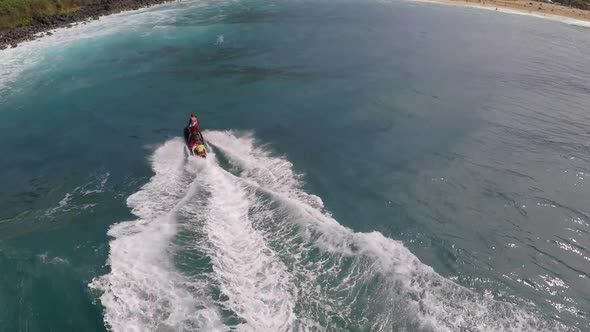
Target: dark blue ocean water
pixel 374 166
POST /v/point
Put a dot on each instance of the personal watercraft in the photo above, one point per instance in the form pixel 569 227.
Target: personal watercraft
pixel 195 143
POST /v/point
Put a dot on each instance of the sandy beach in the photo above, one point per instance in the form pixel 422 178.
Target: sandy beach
pixel 529 7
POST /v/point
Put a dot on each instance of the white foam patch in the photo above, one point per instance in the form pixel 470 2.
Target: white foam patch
pixel 100 186
pixel 403 288
pixel 256 282
pixel 143 291
pixel 47 259
pixel 62 204
pixel 276 173
pixel 93 187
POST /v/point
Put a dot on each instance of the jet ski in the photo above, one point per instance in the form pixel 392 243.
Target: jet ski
pixel 195 143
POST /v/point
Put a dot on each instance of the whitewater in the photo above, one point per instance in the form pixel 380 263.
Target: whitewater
pixel 234 242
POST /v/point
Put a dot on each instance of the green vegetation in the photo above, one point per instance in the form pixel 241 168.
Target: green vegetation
pixel 15 13
pixel 580 4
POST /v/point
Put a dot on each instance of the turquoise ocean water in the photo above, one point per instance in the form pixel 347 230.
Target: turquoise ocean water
pixel 374 166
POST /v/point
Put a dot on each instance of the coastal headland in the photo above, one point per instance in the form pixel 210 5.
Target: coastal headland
pixel 22 20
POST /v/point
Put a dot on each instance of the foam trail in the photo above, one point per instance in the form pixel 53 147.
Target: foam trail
pixel 279 261
pixel 143 291
pixel 257 285
pixel 357 280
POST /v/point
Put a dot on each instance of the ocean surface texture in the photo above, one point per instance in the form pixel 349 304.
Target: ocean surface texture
pixel 373 166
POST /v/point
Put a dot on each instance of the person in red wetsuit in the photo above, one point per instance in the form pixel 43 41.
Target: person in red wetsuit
pixel 194 136
pixel 193 122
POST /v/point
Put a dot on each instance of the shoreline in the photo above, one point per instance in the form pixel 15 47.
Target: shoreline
pixel 43 26
pixel 538 9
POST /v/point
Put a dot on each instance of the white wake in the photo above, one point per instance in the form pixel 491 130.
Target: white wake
pixel 275 259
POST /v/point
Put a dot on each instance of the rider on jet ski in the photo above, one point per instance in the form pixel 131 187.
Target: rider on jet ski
pixel 193 136
pixel 192 121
